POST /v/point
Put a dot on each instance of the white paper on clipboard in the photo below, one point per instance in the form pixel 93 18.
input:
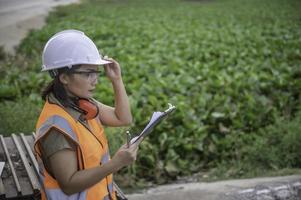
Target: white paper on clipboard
pixel 156 118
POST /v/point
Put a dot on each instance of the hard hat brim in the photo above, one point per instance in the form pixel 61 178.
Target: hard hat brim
pixel 101 62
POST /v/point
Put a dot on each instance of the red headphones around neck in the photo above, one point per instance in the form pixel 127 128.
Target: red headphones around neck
pixel 89 108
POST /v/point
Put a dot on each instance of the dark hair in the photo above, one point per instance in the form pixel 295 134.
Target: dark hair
pixel 57 88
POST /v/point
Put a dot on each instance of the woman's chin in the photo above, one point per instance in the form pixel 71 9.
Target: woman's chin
pixel 89 95
pixel 86 96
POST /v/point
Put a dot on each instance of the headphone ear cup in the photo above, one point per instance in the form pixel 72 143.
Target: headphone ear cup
pixel 89 107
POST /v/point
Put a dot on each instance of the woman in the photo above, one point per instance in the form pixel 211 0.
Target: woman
pixel 71 146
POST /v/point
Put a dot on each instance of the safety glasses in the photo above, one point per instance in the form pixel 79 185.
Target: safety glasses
pixel 90 75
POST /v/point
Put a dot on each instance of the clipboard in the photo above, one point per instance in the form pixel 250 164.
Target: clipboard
pixel 157 117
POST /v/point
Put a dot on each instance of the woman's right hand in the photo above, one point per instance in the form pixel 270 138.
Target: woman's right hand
pixel 125 155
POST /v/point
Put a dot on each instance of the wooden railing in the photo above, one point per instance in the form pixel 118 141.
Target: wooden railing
pixel 18 168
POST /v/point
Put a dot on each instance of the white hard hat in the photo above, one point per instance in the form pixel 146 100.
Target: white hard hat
pixel 70 47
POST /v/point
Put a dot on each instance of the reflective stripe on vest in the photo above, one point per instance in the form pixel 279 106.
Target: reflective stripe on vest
pixel 59 122
pixel 110 187
pixel 55 194
pixel 105 158
pixel 90 153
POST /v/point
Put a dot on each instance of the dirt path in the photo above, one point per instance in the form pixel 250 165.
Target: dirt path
pixel 17 17
pixel 268 188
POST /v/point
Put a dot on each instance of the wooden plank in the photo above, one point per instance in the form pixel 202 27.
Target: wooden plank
pixel 29 170
pixel 29 143
pixel 26 189
pixel 2 159
pixel 2 189
pixel 34 135
pixel 22 175
pixel 12 170
pixel 30 140
pixel 30 154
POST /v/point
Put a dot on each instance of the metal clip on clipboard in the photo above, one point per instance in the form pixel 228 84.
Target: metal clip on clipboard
pixel 150 126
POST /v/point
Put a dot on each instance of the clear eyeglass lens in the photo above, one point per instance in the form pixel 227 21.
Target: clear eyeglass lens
pixel 89 75
pixel 92 76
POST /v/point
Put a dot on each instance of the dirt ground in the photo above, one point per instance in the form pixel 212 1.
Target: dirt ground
pixel 17 17
pixel 267 188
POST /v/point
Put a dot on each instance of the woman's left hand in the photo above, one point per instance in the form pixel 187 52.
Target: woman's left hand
pixel 113 71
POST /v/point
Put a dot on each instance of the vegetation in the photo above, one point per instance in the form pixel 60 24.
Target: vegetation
pixel 232 68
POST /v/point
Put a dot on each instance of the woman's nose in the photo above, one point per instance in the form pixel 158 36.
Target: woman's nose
pixel 95 81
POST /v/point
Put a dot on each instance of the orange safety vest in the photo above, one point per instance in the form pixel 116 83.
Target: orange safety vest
pixel 92 151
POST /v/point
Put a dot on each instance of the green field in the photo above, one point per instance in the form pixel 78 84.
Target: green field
pixel 232 68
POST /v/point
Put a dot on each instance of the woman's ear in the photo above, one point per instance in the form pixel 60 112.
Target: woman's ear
pixel 64 78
